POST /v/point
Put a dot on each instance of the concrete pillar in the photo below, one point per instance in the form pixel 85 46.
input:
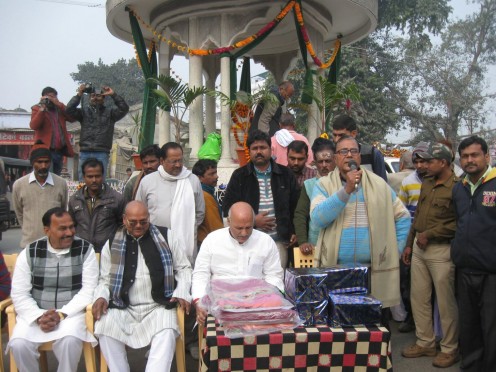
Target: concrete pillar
pixel 225 81
pixel 210 106
pixel 195 80
pixel 164 59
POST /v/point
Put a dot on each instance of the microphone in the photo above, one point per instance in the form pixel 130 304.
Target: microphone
pixel 353 166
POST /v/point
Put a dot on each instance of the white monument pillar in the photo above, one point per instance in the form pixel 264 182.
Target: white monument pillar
pixel 164 59
pixel 195 80
pixel 225 81
pixel 210 105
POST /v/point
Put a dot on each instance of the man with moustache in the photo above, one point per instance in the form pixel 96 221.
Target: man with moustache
pixel 150 161
pixel 306 232
pixel 53 282
pixel 361 221
pixel 270 189
pixel 97 121
pixel 472 252
pixel 174 191
pixel 237 250
pixel 37 192
pixel 96 208
pixel 428 252
pixel 48 120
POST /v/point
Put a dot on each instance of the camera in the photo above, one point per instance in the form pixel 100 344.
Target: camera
pixel 45 101
pixel 88 88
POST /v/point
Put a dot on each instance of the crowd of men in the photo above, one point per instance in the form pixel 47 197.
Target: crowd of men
pixel 163 239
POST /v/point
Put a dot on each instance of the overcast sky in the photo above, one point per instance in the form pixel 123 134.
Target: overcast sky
pixel 43 41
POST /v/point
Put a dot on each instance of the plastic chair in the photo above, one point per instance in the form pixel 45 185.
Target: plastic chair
pixel 10 261
pixel 301 260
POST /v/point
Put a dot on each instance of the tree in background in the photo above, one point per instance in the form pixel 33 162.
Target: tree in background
pixel 445 87
pixel 124 77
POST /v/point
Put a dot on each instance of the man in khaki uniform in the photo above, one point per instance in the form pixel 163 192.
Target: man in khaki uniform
pixel 428 252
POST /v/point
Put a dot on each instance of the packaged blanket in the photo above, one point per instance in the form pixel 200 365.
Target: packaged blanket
pixel 353 309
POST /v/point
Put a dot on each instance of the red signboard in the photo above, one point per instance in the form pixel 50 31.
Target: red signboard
pixel 16 138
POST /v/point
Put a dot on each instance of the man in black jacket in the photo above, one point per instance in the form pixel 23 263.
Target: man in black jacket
pixel 97 121
pixel 473 253
pixel 270 189
pixel 96 208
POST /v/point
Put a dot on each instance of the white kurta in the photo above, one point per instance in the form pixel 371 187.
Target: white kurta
pixel 221 256
pixel 143 318
pixel 28 311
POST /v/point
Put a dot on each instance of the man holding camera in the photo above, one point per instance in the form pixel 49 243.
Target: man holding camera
pixel 48 120
pixel 97 121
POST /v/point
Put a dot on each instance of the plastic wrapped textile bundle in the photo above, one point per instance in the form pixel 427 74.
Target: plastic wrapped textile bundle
pixel 243 295
pixel 260 317
pixel 237 331
pixel 303 285
pixel 313 313
pixel 353 309
pixel 348 279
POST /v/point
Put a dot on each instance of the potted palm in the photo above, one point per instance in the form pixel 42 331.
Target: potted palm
pixel 175 97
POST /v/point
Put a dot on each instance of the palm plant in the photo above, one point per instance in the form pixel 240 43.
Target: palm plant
pixel 328 97
pixel 175 97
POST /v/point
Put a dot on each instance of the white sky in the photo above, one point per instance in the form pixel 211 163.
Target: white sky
pixel 42 42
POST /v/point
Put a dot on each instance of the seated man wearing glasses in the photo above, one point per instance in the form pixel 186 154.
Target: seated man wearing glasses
pixel 144 275
pixel 363 221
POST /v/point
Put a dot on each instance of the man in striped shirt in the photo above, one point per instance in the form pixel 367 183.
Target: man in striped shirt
pixel 270 189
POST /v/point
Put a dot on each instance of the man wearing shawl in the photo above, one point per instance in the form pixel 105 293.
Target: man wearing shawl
pixel 362 221
pixel 143 276
pixel 174 191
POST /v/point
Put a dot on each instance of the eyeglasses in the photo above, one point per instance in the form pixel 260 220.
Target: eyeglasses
pixel 134 223
pixel 344 152
pixel 174 162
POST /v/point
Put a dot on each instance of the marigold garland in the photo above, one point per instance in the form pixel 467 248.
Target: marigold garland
pixel 291 5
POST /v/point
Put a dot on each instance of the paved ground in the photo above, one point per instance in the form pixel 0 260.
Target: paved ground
pixel 10 244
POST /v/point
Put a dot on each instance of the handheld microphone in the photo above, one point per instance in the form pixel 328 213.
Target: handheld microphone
pixel 353 166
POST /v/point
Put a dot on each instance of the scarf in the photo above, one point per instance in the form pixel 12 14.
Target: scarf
pixel 139 177
pixel 383 244
pixel 283 137
pixel 117 263
pixel 183 218
pixel 211 191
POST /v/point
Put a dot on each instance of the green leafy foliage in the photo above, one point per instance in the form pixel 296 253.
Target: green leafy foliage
pixel 175 97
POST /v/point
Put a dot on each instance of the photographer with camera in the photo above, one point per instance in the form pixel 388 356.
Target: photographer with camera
pixel 97 121
pixel 48 120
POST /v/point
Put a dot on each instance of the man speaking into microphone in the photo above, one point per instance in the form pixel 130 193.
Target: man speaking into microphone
pixel 362 221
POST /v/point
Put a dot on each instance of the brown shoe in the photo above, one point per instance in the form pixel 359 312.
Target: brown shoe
pixel 445 360
pixel 415 351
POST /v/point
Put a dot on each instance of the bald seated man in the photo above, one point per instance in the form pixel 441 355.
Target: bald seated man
pixel 236 251
pixel 144 275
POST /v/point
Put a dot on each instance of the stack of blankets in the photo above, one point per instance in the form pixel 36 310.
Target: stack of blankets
pixel 249 307
pixel 336 296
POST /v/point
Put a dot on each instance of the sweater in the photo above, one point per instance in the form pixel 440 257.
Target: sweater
pixel 31 201
pixel 213 220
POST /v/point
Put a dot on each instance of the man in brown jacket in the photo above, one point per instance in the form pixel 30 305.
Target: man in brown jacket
pixel 428 252
pixel 48 122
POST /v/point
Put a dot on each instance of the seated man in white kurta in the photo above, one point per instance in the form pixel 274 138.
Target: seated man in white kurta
pixel 53 283
pixel 236 251
pixel 143 276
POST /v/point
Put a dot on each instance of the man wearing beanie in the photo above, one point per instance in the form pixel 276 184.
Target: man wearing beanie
pixel 36 193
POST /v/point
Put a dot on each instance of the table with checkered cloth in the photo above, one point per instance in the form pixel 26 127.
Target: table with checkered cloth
pixel 317 348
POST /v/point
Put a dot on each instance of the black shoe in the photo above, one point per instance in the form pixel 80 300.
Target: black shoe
pixel 406 327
